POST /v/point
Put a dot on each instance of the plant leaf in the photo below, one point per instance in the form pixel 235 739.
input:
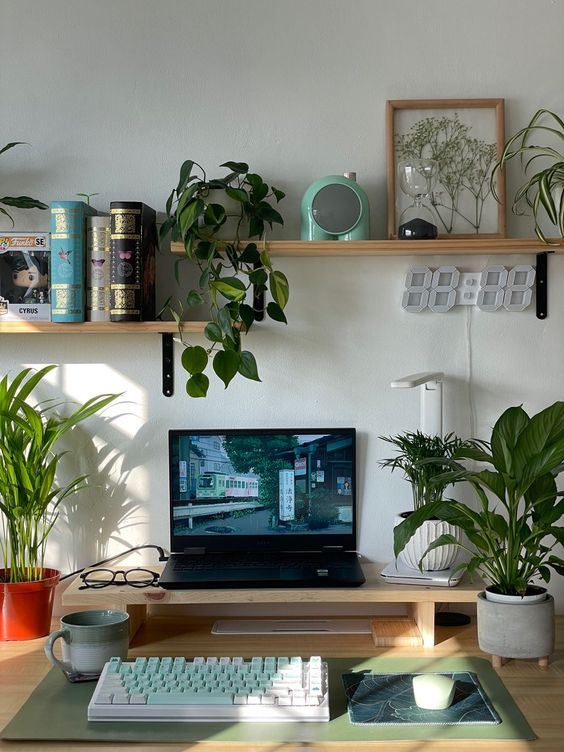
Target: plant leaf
pixel 226 364
pixel 213 332
pixel 276 313
pixel 194 298
pixel 239 167
pixel 231 288
pixel 248 366
pixel 279 288
pixel 194 359
pixel 197 385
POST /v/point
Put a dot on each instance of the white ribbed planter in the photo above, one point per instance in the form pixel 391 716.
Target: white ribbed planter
pixel 440 558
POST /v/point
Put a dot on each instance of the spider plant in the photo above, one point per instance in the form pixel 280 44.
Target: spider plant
pixel 29 494
pixel 544 190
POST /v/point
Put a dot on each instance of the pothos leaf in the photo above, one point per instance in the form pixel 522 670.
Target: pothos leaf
pixel 226 364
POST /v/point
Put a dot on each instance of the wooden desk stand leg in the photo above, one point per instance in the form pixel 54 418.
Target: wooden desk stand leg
pixel 137 617
pixel 423 613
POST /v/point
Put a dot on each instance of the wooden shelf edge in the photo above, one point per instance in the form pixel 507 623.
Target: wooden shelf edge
pixel 100 327
pixel 454 246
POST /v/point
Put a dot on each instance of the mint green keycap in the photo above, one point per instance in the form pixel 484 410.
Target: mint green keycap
pixel 189 698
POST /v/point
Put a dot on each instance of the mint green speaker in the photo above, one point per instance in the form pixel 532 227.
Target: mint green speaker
pixel 335 208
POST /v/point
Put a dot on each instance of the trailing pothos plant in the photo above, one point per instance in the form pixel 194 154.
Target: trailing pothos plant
pixel 20 202
pixel 232 271
pixel 515 533
pixel 544 190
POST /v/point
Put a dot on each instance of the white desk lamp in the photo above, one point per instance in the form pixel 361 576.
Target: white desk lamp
pixel 431 409
pixel 431 419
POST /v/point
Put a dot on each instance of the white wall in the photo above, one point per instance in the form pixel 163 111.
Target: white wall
pixel 113 95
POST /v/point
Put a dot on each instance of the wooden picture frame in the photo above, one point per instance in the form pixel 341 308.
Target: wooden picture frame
pixel 470 128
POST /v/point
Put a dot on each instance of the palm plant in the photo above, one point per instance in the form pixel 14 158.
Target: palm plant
pixel 29 495
pixel 423 459
pixel 515 530
pixel 20 202
pixel 544 190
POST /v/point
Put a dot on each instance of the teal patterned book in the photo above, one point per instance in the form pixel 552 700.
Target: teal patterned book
pixel 68 251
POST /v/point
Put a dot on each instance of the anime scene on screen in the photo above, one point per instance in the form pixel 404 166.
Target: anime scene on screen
pixel 271 484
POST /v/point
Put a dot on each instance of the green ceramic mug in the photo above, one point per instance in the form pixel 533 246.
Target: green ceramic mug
pixel 88 640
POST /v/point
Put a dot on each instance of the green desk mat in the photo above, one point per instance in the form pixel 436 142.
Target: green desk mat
pixel 56 710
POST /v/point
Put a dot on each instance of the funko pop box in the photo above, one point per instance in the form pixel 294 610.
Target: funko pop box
pixel 24 276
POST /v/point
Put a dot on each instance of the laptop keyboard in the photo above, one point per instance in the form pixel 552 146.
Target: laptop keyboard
pixel 212 689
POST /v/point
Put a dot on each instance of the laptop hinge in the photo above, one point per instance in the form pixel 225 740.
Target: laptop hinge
pixel 195 551
pixel 332 548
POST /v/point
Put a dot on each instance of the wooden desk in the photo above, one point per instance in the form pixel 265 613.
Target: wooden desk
pixel 538 692
pixel 418 626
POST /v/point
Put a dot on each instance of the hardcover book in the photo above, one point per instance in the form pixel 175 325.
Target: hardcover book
pixel 68 243
pixel 132 261
pixel 98 268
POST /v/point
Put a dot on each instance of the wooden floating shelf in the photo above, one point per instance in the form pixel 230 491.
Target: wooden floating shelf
pixel 100 327
pixel 454 246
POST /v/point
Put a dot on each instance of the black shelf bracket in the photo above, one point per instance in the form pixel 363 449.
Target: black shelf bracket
pixel 168 364
pixel 541 284
pixel 258 300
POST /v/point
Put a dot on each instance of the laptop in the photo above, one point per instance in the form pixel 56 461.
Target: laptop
pixel 262 508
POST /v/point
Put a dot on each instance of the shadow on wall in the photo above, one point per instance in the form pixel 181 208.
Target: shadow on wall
pixel 103 510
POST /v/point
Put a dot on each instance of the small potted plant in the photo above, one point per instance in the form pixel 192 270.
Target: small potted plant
pixel 424 460
pixel 231 270
pixel 513 535
pixel 29 500
pixel 543 191
pixel 19 202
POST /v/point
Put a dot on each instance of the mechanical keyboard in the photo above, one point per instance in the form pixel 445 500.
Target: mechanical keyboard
pixel 212 689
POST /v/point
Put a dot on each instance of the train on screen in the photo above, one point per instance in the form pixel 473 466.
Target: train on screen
pixel 222 486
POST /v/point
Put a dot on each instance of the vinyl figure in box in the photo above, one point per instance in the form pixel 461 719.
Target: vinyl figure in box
pixel 30 278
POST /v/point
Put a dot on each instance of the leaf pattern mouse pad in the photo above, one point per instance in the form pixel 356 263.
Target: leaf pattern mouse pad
pixel 375 699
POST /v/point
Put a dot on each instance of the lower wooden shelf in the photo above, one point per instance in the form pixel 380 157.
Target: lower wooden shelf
pixel 418 626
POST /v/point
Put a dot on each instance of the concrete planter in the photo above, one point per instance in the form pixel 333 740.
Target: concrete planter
pixel 441 558
pixel 516 630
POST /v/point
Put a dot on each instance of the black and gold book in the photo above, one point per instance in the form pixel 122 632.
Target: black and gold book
pixel 133 234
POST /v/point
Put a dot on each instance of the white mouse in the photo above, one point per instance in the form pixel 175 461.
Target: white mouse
pixel 433 691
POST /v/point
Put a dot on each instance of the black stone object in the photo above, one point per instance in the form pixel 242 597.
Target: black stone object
pixel 418 229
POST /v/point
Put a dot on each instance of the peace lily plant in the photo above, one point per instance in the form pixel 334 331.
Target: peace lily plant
pixel 232 270
pixel 30 496
pixel 517 527
pixel 543 192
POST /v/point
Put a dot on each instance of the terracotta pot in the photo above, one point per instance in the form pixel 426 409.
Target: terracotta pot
pixel 26 607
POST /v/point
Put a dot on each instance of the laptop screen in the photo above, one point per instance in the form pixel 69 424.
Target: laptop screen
pixel 283 489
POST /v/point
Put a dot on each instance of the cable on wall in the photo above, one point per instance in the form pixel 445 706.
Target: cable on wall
pixel 470 373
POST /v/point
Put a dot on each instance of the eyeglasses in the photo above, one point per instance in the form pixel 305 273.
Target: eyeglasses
pixel 137 577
